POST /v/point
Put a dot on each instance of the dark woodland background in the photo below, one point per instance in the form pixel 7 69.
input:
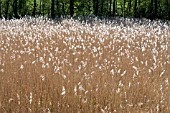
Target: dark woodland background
pixel 152 9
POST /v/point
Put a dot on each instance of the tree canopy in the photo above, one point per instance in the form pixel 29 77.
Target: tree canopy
pixel 151 9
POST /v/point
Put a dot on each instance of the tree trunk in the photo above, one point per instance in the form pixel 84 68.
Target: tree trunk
pixel 151 9
pixel 102 7
pixel 43 6
pixel 52 9
pixel 96 7
pixel 156 8
pixel 7 9
pixel 63 8
pixel 35 5
pixel 71 8
pixel 40 7
pixel 114 7
pixel 135 8
pixel 110 9
pixel 0 9
pixel 167 13
pixel 57 7
pixel 168 10
pixel 124 2
pixel 139 1
pixel 15 8
pixel 83 7
pixel 20 6
pixel 129 7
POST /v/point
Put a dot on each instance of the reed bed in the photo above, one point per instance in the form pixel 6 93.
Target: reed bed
pixel 92 66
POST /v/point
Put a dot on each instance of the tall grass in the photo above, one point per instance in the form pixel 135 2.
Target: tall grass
pixel 71 66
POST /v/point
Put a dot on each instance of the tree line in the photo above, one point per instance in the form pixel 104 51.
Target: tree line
pixel 151 9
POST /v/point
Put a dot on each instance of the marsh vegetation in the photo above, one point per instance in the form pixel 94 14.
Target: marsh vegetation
pixel 120 65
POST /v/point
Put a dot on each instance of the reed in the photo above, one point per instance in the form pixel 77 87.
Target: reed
pixel 72 66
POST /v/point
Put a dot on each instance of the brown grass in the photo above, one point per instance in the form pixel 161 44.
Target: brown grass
pixel 55 72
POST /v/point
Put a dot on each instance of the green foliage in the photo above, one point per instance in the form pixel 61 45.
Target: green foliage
pixel 125 8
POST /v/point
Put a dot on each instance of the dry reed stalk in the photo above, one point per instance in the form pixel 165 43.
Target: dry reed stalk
pixel 76 68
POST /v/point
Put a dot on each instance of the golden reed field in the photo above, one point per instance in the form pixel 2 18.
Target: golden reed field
pixel 93 66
